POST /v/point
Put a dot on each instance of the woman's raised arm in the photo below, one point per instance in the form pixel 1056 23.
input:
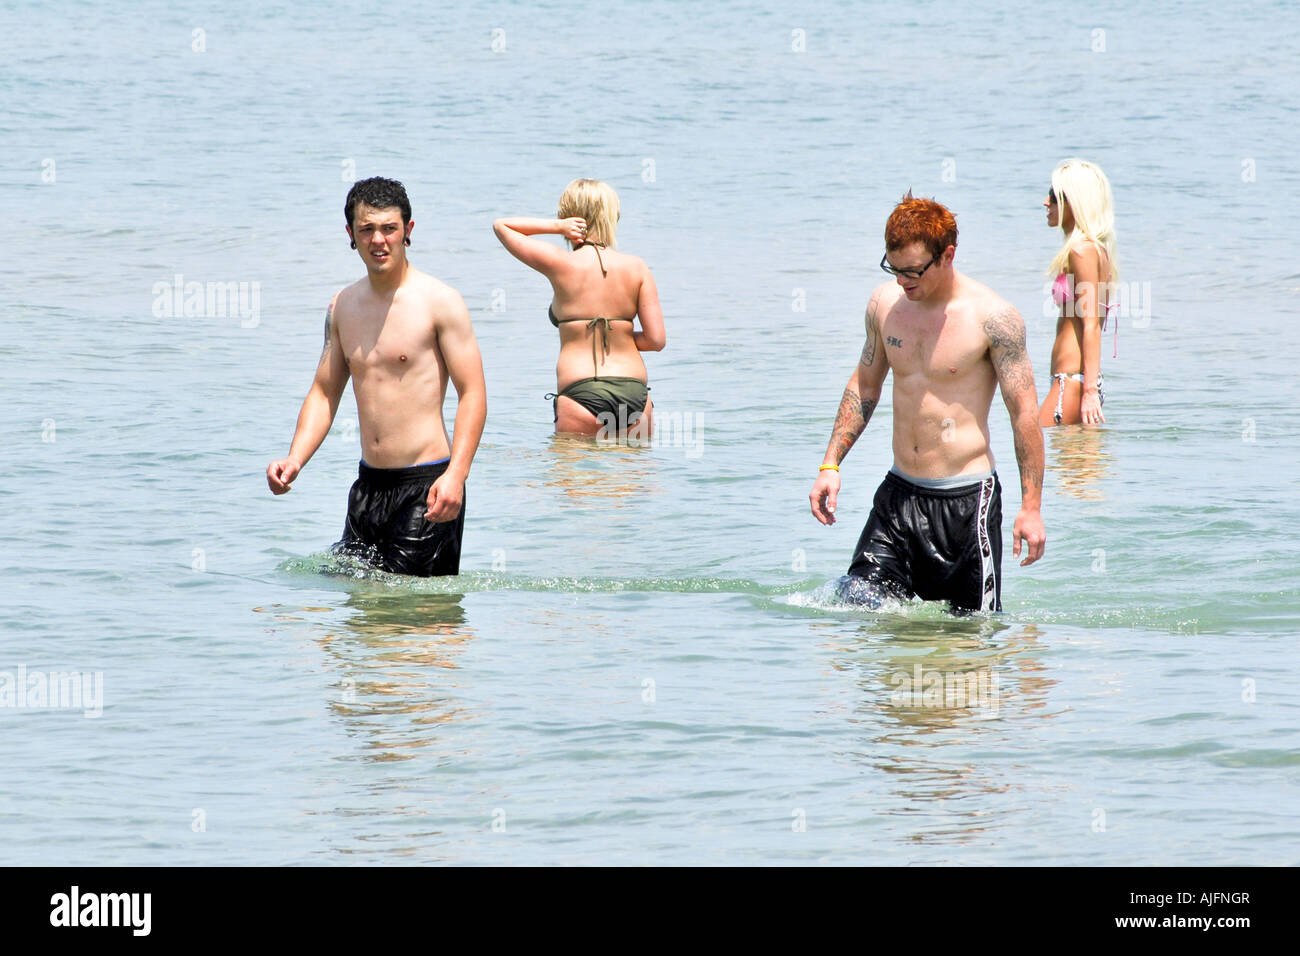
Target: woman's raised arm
pixel 514 233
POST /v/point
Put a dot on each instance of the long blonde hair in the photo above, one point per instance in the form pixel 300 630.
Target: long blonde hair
pixel 597 203
pixel 1085 187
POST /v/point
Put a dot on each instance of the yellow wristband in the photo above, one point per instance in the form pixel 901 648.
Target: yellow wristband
pixel 825 467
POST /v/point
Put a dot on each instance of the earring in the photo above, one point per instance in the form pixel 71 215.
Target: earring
pixel 353 243
pixel 406 242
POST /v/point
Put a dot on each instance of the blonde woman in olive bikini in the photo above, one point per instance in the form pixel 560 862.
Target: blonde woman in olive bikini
pixel 599 294
pixel 1085 273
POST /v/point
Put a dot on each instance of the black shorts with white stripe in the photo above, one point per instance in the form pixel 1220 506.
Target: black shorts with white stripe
pixel 939 544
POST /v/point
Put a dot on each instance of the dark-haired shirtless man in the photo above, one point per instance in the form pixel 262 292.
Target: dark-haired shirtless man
pixel 935 528
pixel 400 335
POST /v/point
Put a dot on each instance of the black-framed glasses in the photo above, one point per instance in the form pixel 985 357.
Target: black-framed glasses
pixel 907 273
pixel 1051 196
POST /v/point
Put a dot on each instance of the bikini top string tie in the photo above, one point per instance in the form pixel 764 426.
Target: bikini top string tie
pixel 591 326
pixel 597 246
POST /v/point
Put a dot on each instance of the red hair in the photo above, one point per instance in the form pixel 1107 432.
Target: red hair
pixel 920 220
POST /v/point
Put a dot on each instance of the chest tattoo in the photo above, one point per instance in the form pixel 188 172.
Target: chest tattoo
pixel 893 341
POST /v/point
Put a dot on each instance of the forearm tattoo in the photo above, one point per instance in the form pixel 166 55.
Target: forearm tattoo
pixel 850 420
pixel 1029 454
pixel 868 406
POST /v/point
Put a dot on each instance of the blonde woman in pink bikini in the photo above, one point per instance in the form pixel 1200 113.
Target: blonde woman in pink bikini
pixel 1085 270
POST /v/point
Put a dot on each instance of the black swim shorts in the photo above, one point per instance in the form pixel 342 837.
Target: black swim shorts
pixel 938 543
pixel 386 524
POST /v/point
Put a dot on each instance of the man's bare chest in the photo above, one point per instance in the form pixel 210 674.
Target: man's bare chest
pixel 938 346
pixel 395 340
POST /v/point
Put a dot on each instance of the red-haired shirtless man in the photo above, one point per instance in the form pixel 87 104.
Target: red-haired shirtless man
pixel 935 528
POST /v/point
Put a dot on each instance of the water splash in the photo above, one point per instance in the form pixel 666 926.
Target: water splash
pixel 841 596
pixel 849 593
pixel 353 567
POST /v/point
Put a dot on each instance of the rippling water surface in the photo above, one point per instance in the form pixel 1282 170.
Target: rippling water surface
pixel 641 662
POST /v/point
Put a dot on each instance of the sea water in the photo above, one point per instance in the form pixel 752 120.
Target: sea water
pixel 642 661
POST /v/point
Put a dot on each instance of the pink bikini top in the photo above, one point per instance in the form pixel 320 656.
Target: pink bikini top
pixel 1061 292
pixel 1061 289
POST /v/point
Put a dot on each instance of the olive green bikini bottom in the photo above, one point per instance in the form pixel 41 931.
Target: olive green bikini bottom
pixel 606 395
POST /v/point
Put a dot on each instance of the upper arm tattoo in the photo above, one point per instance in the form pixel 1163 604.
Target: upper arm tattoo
pixel 329 314
pixel 873 335
pixel 329 322
pixel 1006 332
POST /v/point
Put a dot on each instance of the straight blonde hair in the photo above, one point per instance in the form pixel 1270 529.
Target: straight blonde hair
pixel 1085 187
pixel 597 203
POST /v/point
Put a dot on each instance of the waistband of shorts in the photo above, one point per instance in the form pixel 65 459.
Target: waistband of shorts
pixel 953 487
pixel 401 476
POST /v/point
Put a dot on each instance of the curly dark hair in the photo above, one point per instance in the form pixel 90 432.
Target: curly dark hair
pixel 378 193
